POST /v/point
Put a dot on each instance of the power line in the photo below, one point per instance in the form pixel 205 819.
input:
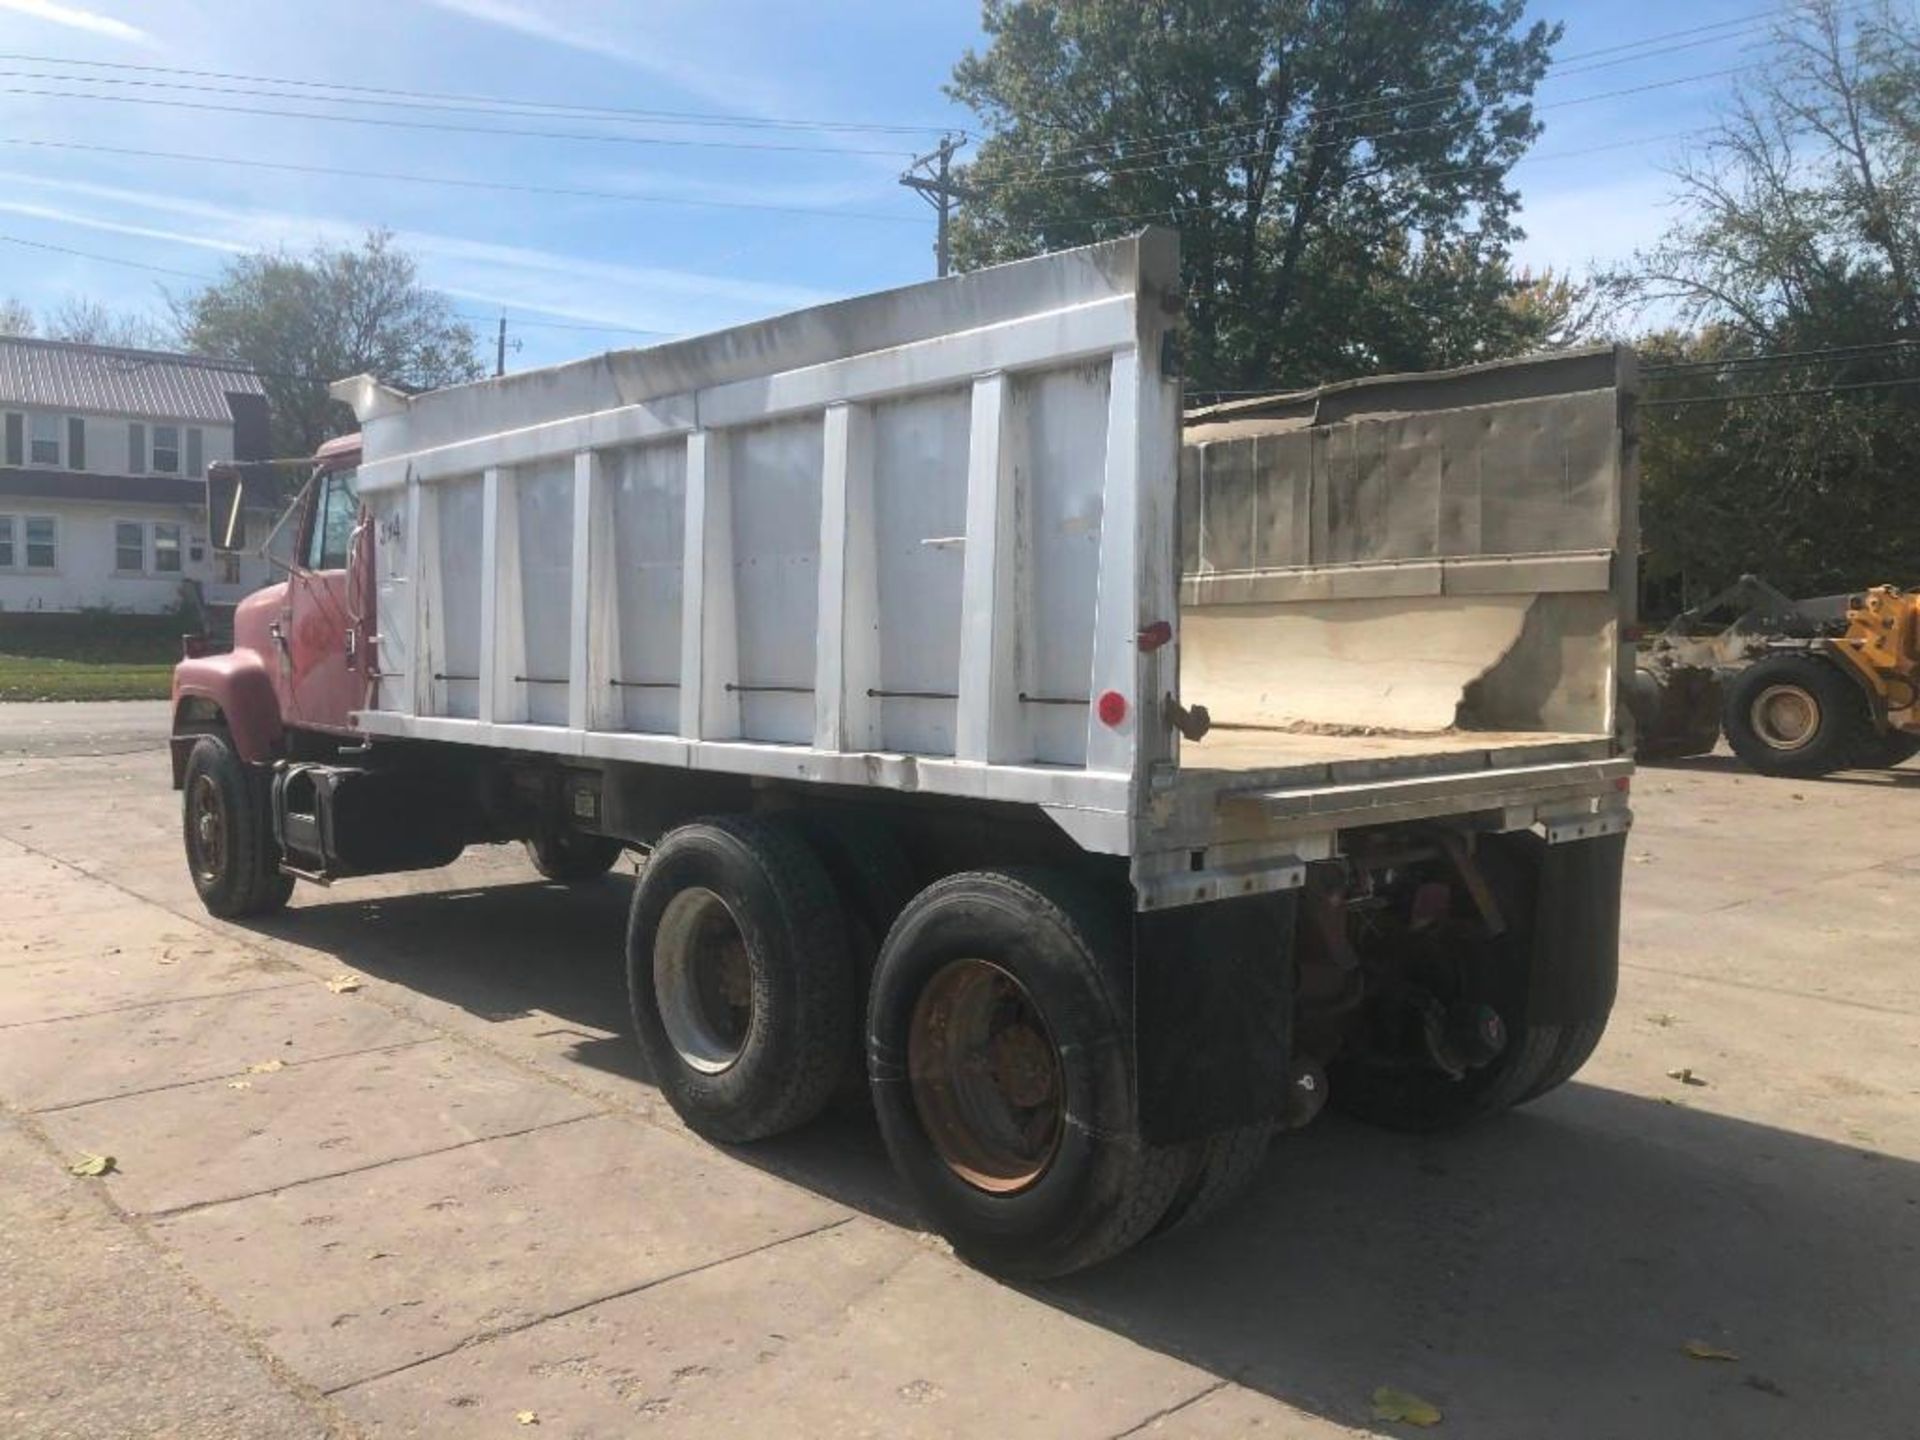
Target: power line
pixel 387 122
pixel 1778 357
pixel 1109 171
pixel 687 117
pixel 563 191
pixel 1795 393
pixel 1417 99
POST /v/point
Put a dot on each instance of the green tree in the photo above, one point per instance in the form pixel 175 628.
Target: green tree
pixel 304 321
pixel 1799 236
pixel 1337 168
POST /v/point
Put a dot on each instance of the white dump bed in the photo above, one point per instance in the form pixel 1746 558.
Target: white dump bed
pixel 899 541
pixel 915 539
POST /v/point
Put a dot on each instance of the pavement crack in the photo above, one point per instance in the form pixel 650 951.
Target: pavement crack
pixel 1755 985
pixel 231 1075
pixel 1174 1409
pixel 152 1004
pixel 500 1332
pixel 175 1211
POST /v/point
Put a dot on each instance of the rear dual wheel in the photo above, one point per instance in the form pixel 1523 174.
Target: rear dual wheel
pixel 999 1052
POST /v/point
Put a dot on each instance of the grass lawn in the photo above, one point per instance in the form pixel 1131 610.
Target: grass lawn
pixel 36 677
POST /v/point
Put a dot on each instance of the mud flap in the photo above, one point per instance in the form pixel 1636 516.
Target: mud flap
pixel 1213 1015
pixel 1575 967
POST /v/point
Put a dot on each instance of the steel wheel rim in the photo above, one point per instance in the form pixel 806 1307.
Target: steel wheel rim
pixel 703 980
pixel 207 830
pixel 986 1076
pixel 1786 717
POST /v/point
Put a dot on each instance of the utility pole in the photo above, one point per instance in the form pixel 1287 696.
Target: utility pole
pixel 932 175
pixel 500 349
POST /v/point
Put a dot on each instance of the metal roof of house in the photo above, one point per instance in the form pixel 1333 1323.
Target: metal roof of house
pixel 65 376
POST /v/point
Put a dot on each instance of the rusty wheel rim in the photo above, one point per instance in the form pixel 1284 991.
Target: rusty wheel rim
pixel 986 1076
pixel 207 830
pixel 1786 717
pixel 703 980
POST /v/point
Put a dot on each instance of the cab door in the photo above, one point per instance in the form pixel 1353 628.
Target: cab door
pixel 322 627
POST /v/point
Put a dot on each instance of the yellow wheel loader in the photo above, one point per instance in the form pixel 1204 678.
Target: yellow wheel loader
pixel 1800 687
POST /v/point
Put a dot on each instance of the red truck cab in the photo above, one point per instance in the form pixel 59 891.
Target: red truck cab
pixel 302 651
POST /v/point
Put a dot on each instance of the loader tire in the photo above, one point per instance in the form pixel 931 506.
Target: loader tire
pixel 998 1046
pixel 739 978
pixel 1797 716
pixel 227 823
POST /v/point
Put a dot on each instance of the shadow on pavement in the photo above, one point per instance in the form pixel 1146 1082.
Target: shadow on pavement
pixel 1536 1276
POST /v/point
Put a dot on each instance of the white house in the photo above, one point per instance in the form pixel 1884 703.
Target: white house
pixel 103 456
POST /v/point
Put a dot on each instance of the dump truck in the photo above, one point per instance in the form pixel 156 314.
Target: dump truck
pixel 1103 798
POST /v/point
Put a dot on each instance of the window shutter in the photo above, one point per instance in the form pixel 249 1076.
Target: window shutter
pixel 137 448
pixel 76 443
pixel 16 439
pixel 193 453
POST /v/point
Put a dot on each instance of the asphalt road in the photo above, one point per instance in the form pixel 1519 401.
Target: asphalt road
pixel 448 1198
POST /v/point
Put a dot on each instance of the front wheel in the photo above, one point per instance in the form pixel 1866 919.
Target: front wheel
pixel 227 819
pixel 1798 716
pixel 998 1051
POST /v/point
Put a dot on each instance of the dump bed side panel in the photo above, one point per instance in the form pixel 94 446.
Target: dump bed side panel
pixel 904 541
pixel 1427 554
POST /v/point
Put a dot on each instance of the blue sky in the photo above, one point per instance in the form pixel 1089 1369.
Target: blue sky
pixel 630 264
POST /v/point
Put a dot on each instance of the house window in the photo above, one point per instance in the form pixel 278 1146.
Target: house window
pixel 166 449
pixel 129 547
pixel 6 542
pixel 76 443
pixel 43 439
pixel 166 549
pixel 42 550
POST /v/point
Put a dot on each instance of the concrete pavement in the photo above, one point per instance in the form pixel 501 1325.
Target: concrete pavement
pixel 449 1197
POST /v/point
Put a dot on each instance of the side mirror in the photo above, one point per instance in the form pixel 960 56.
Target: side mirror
pixel 226 499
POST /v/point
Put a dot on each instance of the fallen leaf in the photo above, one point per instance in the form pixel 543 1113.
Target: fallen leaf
pixel 1663 1019
pixel 344 984
pixel 92 1165
pixel 527 1417
pixel 1643 859
pixel 239 1085
pixel 1685 1076
pixel 1701 1350
pixel 266 1067
pixel 1392 1404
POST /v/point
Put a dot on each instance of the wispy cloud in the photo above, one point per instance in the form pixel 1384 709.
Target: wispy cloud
pixel 74 18
pixel 539 25
pixel 659 298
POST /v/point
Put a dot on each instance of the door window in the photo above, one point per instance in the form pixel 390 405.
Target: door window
pixel 333 520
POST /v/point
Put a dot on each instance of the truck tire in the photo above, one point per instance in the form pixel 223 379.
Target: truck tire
pixel 1537 1057
pixel 739 978
pixel 1796 715
pixel 998 1048
pixel 871 876
pixel 1887 750
pixel 227 823
pixel 572 856
pixel 1221 1168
